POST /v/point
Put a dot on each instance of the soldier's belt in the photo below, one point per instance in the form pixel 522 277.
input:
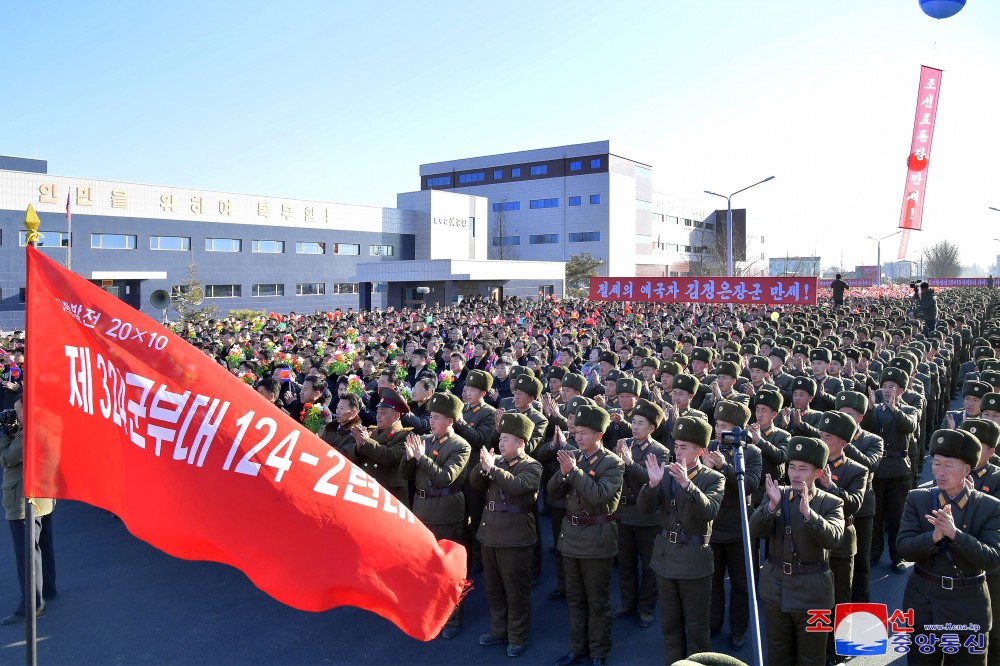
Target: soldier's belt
pixel 590 520
pixel 948 582
pixel 797 568
pixel 683 537
pixel 438 492
pixel 503 507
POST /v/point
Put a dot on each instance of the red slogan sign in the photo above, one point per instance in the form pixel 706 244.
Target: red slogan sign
pixel 912 214
pixel 124 415
pixel 760 290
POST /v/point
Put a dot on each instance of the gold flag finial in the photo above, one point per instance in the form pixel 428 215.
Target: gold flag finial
pixel 31 223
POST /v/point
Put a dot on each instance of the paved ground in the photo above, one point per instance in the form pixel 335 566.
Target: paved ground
pixel 123 602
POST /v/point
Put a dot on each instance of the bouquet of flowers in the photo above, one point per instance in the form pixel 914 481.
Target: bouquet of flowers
pixel 294 361
pixel 315 416
pixel 351 334
pixel 341 363
pixel 356 386
pixel 249 378
pixel 320 349
pixel 258 325
pixel 432 366
pixel 400 372
pixel 446 380
pixel 234 358
pixel 406 393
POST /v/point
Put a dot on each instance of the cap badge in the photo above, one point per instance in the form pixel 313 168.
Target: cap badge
pixel 798 447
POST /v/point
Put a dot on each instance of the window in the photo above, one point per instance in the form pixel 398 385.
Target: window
pixel 223 291
pixel 539 170
pixel 575 201
pixel 471 177
pixel 269 246
pixel 643 172
pixel 506 206
pixel 48 239
pixel 438 181
pixel 379 250
pixel 223 245
pixel 585 237
pixel 595 198
pixel 688 223
pixel 310 289
pixel 112 241
pixel 515 172
pixel 497 174
pixel 347 249
pixel 310 247
pixel 506 240
pixel 544 239
pixel 545 203
pixel 345 287
pixel 576 166
pixel 267 290
pixel 178 290
pixel 179 243
pixel 20 295
pixel 595 164
pixel 710 226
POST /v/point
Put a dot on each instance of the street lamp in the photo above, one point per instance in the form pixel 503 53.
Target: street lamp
pixel 879 260
pixel 729 222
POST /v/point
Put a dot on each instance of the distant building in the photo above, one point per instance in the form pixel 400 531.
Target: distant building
pixel 903 269
pixel 800 266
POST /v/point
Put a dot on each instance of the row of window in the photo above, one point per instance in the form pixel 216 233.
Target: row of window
pixel 275 289
pixel 498 174
pixel 670 219
pixel 508 206
pixel 546 239
pixel 183 243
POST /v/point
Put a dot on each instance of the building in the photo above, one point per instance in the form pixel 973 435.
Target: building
pixel 551 203
pixel 794 266
pixel 900 270
pixel 255 251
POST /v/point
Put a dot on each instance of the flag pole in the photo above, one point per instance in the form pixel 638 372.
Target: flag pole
pixel 31 224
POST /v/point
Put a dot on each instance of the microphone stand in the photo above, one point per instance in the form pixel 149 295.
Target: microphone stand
pixel 739 462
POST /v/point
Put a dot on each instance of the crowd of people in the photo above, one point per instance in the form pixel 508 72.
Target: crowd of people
pixel 622 421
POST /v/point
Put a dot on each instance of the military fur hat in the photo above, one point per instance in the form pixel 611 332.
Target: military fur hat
pixel 769 398
pixel 529 385
pixel 556 372
pixel 518 370
pixel 987 432
pixel 478 379
pixel 895 375
pixel 779 352
pixel 838 356
pixel 518 425
pixel 839 425
pixel 728 368
pixel 650 362
pixel 732 357
pixel 692 429
pixel 854 400
pixel 749 349
pixel 672 368
pixel 807 384
pixel 607 356
pixel 903 363
pixel 592 417
pixel 575 381
pixel 759 363
pixel 976 388
pixel 991 377
pixel 576 402
pixel 701 354
pixel 446 404
pixel 686 382
pixel 820 354
pixel 614 376
pixel 808 450
pixel 957 444
pixel 732 412
pixel 801 349
pixel 991 401
pixel 628 385
pixel 650 411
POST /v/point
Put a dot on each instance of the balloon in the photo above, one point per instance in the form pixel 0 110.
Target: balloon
pixel 775 316
pixel 941 9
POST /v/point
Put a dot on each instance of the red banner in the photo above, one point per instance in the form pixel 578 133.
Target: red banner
pixel 761 290
pixel 917 164
pixel 124 415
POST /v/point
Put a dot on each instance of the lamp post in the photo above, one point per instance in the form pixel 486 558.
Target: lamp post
pixel 729 222
pixel 879 259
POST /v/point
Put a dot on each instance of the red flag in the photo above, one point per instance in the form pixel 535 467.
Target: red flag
pixel 124 415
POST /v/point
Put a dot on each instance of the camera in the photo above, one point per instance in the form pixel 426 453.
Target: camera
pixel 8 418
pixel 736 437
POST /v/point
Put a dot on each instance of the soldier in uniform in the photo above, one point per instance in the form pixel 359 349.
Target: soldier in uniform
pixel 687 505
pixel 637 527
pixel 952 534
pixel 627 389
pixel 728 547
pixel 438 465
pixel 379 450
pixel 507 532
pixel 592 482
pixel 685 388
pixel 803 524
pixel 827 386
pixel 779 376
pixel 723 388
pixel 759 378
pixel 475 427
pixel 973 392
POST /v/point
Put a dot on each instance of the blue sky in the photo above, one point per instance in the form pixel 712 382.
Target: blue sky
pixel 342 101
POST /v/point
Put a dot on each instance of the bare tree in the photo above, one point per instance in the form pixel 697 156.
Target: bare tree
pixel 941 260
pixel 497 248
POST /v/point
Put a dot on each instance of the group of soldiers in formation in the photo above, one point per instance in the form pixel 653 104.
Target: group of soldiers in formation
pixel 626 438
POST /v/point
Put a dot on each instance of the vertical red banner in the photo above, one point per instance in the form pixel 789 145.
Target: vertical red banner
pixel 911 216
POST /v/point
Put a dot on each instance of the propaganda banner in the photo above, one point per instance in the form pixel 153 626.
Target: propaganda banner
pixel 957 282
pixel 911 216
pixel 759 290
pixel 824 283
pixel 125 415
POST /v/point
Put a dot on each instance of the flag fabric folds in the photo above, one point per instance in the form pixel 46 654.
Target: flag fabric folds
pixel 122 414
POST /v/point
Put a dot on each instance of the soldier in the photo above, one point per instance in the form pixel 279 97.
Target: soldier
pixel 952 534
pixel 507 532
pixel 438 465
pixel 627 389
pixel 895 423
pixel 588 539
pixel 723 388
pixel 684 389
pixel 687 506
pixel 779 376
pixel 728 547
pixel 827 386
pixel 475 427
pixel 800 419
pixel 759 377
pixel 637 527
pixel 973 393
pixel 379 450
pixel 803 524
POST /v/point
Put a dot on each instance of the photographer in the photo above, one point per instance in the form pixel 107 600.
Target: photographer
pixel 12 455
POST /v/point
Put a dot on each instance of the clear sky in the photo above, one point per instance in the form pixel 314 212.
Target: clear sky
pixel 342 101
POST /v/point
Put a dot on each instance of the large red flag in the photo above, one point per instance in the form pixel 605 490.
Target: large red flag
pixel 124 415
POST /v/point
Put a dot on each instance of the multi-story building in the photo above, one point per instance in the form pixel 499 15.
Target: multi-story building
pixel 794 266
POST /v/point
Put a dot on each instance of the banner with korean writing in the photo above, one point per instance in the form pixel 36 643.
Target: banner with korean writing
pixel 824 283
pixel 760 290
pixel 124 415
pixel 918 161
pixel 958 282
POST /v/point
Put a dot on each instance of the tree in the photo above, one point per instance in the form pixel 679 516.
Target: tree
pixel 579 269
pixel 186 299
pixel 941 260
pixel 498 250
